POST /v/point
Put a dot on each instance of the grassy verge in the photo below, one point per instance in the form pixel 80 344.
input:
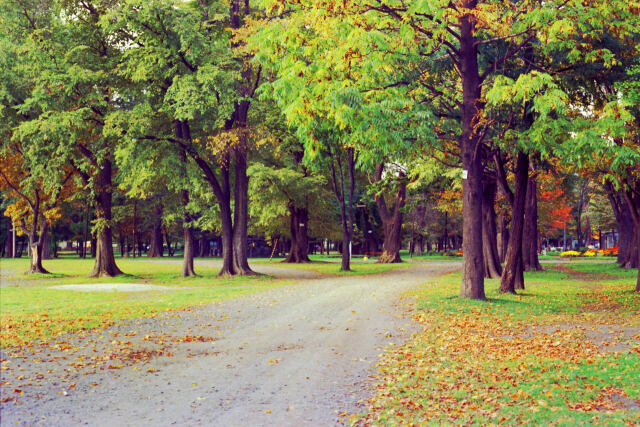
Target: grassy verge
pixel 358 268
pixel 31 311
pixel 565 351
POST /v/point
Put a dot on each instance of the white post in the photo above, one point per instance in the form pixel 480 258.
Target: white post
pixel 350 247
pixel 13 254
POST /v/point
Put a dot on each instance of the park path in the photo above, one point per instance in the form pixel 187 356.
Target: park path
pixel 295 355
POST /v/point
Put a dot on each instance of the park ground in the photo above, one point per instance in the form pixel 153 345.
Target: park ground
pixel 298 345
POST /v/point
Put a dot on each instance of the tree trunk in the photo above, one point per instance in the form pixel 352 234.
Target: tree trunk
pixel 492 267
pixel 473 262
pixel 187 264
pixel 227 226
pixel 156 247
pixel 503 240
pixel 37 246
pixel 241 204
pixel 46 245
pixel 105 264
pixel 168 239
pixel 86 230
pixel 632 199
pixel 530 240
pixel 298 225
pixel 392 221
pixel 338 189
pixel 133 227
pixel 512 275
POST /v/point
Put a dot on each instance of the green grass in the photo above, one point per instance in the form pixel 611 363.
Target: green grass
pixel 31 311
pixel 358 267
pixel 517 358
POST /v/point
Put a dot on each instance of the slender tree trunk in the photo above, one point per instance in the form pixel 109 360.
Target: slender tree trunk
pixel 503 241
pixel 492 267
pixel 86 230
pixel 338 189
pixel 168 239
pixel 134 242
pixel 512 275
pixel 473 262
pixel 298 225
pixel 105 264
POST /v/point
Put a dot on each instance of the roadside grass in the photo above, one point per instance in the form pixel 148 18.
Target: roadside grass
pixel 30 311
pixel 358 268
pixel 565 351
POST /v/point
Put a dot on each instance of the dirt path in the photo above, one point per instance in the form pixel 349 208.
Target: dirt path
pixel 296 355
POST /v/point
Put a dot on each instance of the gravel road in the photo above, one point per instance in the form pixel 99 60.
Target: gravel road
pixel 295 355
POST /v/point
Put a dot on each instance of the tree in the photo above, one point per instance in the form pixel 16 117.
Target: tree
pixel 434 60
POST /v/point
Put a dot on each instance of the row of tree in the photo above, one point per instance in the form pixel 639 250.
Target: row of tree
pixel 213 113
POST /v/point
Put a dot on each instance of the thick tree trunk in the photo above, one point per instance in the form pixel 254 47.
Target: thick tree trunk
pixel 473 262
pixel 298 225
pixel 627 250
pixel 530 240
pixel 156 248
pixel 36 248
pixel 227 225
pixel 392 221
pixel 512 275
pixel 105 264
pixel 46 245
pixel 492 267
pixel 241 204
pixel 632 199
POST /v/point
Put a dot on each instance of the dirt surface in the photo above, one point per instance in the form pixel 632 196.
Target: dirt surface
pixel 295 355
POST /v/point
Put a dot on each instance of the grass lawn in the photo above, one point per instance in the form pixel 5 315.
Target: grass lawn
pixel 564 351
pixel 31 311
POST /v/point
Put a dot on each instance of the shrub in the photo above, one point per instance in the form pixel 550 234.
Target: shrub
pixel 570 253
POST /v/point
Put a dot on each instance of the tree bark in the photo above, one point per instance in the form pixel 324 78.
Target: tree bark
pixel 632 199
pixel 492 267
pixel 227 226
pixel 391 221
pixel 105 264
pixel 298 225
pixel 156 248
pixel 36 245
pixel 241 204
pixel 531 237
pixel 512 275
pixel 187 264
pixel 470 145
pixel 338 189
